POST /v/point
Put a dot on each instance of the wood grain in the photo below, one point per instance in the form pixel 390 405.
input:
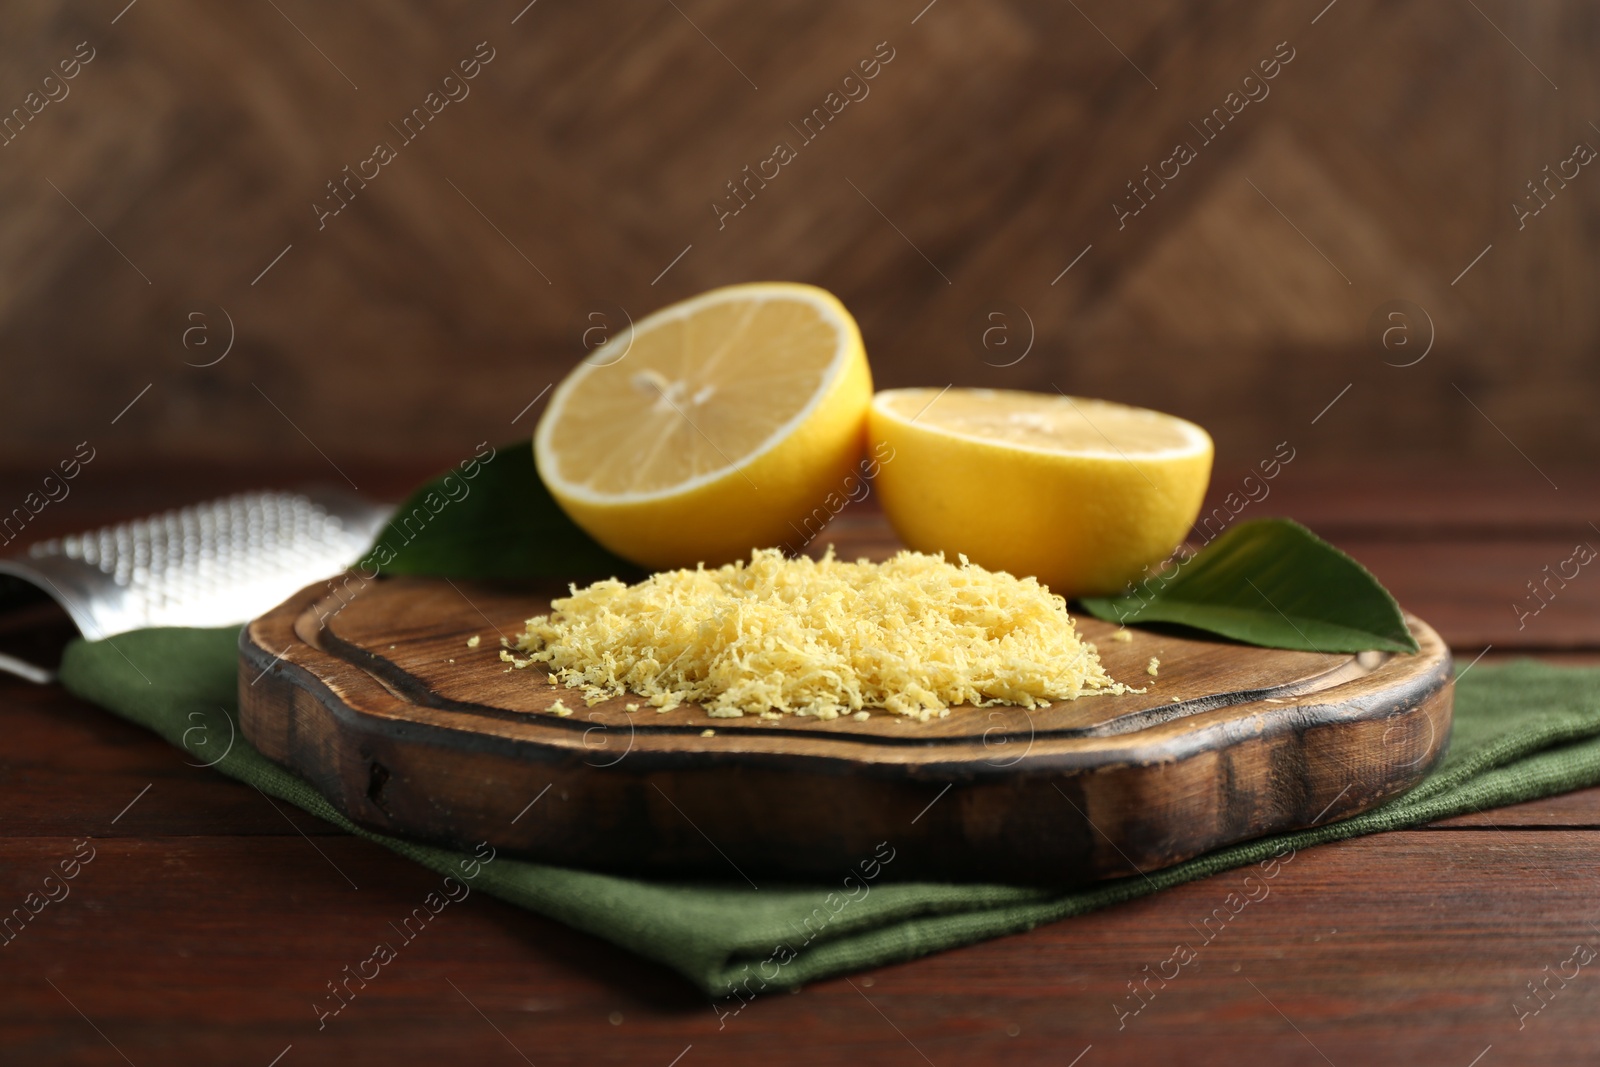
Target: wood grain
pixel 1360 968
pixel 591 149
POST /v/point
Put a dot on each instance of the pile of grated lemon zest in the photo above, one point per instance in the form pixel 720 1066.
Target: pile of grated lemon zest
pixel 914 636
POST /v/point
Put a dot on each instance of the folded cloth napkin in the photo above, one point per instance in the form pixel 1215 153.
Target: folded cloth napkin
pixel 1522 730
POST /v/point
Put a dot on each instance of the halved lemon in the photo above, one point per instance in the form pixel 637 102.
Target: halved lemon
pixel 712 427
pixel 1082 494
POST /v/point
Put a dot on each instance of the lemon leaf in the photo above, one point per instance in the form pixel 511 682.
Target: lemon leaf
pixel 1273 583
pixel 491 518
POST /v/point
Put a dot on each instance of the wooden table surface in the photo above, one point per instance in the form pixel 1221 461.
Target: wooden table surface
pixel 211 918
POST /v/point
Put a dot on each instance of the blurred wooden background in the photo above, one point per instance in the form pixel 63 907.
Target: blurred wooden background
pixel 984 159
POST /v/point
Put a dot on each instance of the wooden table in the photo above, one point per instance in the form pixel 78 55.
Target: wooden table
pixel 211 918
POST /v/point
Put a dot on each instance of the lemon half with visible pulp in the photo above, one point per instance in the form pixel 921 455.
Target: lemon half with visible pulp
pixel 711 427
pixel 1082 494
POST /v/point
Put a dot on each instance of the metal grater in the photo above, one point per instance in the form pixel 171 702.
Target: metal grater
pixel 213 564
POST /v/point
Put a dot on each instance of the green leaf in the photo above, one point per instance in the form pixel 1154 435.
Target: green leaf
pixel 491 518
pixel 1270 582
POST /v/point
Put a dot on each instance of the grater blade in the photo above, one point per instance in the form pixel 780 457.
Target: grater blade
pixel 212 564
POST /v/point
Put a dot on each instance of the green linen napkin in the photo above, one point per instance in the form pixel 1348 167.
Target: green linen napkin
pixel 1522 730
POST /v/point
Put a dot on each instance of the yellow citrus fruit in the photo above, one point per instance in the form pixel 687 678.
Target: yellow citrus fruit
pixel 711 427
pixel 1082 494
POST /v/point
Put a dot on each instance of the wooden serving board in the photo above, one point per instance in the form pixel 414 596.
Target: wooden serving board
pixel 384 708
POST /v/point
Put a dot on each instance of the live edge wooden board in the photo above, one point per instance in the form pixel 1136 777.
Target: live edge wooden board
pixel 386 711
